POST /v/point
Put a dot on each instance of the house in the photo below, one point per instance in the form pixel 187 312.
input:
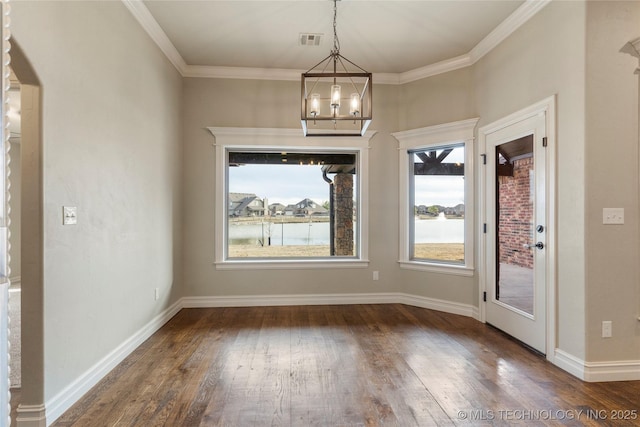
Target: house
pixel 246 204
pixel 308 207
pixel 455 210
pixel 290 210
pixel 115 123
pixel 422 210
pixel 276 209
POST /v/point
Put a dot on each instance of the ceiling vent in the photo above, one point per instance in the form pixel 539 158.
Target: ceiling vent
pixel 309 39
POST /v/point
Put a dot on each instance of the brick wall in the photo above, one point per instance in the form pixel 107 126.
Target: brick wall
pixel 515 215
pixel 343 205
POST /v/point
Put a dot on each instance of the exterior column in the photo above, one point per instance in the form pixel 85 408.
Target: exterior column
pixel 343 204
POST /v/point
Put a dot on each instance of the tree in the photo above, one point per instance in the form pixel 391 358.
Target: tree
pixel 433 210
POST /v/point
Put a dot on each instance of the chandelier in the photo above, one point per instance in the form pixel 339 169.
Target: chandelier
pixel 336 95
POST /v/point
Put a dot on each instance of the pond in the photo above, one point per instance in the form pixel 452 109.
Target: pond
pixel 317 233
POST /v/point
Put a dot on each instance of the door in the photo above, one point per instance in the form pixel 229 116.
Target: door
pixel 516 218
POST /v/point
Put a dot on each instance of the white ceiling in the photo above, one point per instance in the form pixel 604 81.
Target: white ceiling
pixel 400 40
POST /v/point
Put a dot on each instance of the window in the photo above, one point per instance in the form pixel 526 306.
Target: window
pixel 436 228
pixel 291 204
pixel 281 202
pixel 436 206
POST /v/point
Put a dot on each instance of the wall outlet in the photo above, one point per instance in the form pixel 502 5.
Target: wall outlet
pixel 157 294
pixel 376 275
pixel 613 215
pixel 607 329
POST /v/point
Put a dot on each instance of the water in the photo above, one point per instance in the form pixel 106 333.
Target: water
pixel 440 230
pixel 286 234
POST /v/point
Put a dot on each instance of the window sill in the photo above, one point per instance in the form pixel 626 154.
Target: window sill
pixel 290 264
pixel 457 270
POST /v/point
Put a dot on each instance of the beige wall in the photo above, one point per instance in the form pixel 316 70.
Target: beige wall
pixel 439 99
pixel 546 56
pixel 111 147
pixel 612 267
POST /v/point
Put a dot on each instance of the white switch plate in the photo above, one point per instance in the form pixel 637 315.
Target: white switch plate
pixel 613 215
pixel 69 215
pixel 376 275
pixel 607 329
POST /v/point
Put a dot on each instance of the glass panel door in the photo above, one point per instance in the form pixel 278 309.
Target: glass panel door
pixel 515 212
pixel 515 223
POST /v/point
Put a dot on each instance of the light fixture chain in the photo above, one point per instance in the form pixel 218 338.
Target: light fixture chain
pixel 336 41
pixel 359 110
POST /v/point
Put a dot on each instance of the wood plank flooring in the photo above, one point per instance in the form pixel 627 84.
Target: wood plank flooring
pixel 352 365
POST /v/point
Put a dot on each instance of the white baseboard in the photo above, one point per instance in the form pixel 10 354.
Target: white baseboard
pixel 331 299
pixel 569 363
pixel 622 370
pixel 57 405
pixel 31 416
pixel 15 283
pixel 438 304
pixel 283 300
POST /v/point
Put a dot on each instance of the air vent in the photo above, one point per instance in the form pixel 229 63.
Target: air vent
pixel 310 39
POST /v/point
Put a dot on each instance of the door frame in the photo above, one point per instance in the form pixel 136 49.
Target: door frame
pixel 547 107
pixel 5 397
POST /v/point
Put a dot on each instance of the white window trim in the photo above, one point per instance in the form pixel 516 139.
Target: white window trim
pixel 270 138
pixel 438 135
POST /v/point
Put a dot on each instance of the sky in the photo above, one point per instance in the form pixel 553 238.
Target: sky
pixel 286 184
pixel 289 184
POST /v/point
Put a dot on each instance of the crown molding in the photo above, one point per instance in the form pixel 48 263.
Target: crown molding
pixel 157 34
pixel 514 21
pixel 430 70
pixel 507 27
pixel 241 73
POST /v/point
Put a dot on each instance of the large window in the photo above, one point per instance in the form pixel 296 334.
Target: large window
pixel 281 202
pixel 291 204
pixel 436 207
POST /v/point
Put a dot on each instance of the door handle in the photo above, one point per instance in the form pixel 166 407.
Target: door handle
pixel 538 245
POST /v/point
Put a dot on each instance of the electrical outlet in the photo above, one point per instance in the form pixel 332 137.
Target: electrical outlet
pixel 157 294
pixel 613 215
pixel 607 329
pixel 376 275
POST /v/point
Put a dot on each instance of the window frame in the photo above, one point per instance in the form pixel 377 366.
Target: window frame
pixel 431 137
pixel 263 139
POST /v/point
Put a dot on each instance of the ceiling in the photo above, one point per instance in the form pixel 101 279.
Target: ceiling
pixel 394 38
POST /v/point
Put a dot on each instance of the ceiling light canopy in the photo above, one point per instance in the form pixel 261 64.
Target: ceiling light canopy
pixel 336 95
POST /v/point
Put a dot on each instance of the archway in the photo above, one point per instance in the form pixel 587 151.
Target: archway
pixel 31 407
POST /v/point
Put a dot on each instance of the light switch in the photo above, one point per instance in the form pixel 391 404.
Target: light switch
pixel 613 215
pixel 69 215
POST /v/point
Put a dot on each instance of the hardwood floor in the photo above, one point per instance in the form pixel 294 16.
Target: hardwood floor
pixel 358 365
